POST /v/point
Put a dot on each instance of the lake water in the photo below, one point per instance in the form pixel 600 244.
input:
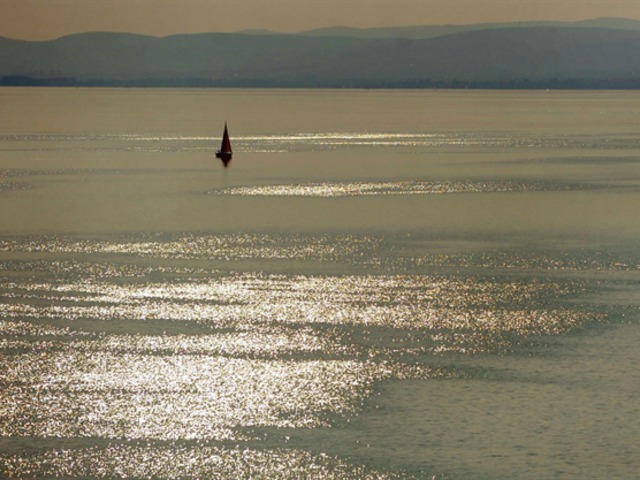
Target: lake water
pixel 382 284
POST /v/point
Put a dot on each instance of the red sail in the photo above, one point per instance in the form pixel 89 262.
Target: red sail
pixel 225 152
pixel 226 143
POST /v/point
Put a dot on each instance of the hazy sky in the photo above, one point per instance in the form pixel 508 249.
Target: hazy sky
pixel 47 19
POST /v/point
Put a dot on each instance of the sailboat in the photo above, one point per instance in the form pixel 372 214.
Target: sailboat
pixel 225 153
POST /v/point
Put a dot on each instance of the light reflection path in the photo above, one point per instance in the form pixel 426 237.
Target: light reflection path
pixel 307 141
pixel 189 461
pixel 169 397
pixel 246 300
pixel 354 189
pixel 129 345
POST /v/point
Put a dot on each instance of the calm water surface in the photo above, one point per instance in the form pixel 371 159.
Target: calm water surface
pixel 383 284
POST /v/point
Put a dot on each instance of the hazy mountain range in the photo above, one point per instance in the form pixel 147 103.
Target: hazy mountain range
pixel 602 53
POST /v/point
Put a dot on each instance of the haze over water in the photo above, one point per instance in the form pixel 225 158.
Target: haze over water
pixel 382 284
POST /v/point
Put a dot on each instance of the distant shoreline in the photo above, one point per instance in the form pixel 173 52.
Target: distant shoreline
pixel 568 84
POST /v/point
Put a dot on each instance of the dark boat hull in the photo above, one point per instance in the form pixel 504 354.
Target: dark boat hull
pixel 224 156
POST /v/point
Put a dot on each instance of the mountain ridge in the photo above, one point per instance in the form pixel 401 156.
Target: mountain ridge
pixel 505 57
pixel 431 31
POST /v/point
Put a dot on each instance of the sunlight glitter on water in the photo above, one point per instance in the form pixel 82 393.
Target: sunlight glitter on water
pixel 223 247
pixel 188 461
pixel 76 394
pixel 303 141
pixel 397 254
pixel 277 350
pixel 268 344
pixel 105 392
pixel 240 301
pixel 352 189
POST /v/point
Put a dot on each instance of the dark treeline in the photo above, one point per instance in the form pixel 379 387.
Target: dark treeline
pixel 518 84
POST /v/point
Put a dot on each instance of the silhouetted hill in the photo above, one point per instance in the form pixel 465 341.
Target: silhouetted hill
pixel 505 57
pixel 431 31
